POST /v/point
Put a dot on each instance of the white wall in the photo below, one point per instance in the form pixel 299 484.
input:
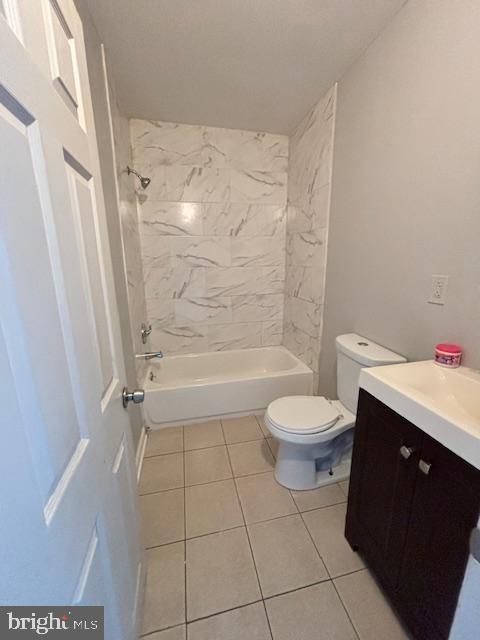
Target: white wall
pixel 213 235
pixel 406 187
pixel 309 183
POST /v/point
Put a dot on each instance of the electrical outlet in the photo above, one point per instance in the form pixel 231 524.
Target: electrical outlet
pixel 438 290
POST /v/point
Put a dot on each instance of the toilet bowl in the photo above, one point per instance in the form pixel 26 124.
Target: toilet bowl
pixel 315 435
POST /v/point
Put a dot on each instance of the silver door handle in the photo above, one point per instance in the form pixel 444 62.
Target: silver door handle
pixel 424 467
pixel 137 396
pixel 406 452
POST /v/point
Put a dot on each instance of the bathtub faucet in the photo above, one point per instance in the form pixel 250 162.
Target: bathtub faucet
pixel 150 355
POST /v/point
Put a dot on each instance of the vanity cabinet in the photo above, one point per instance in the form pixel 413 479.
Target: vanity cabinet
pixel 411 507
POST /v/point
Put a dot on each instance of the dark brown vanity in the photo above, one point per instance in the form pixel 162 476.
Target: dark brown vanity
pixel 412 505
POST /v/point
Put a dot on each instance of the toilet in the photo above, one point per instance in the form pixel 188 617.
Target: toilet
pixel 315 435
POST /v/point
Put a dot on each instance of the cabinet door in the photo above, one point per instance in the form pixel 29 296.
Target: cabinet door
pixel 445 509
pixel 381 486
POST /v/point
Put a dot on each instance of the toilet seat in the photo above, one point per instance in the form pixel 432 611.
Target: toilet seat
pixel 303 414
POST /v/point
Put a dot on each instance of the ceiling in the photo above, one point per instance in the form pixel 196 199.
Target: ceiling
pixel 244 64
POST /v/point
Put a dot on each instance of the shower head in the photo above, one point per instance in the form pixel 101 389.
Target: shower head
pixel 144 181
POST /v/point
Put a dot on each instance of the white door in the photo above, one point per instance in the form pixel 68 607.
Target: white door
pixel 68 524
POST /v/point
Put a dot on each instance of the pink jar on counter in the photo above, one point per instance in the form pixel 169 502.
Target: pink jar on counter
pixel 448 355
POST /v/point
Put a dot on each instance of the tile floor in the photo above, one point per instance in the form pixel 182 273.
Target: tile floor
pixel 232 555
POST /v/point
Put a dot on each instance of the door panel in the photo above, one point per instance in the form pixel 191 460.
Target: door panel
pixel 82 202
pixel 90 587
pixel 94 581
pixel 445 510
pixel 68 526
pixel 61 49
pixel 61 453
pixel 57 433
pixel 120 496
pixel 382 484
pixel 10 11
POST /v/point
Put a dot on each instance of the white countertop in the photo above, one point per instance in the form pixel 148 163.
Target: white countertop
pixel 444 403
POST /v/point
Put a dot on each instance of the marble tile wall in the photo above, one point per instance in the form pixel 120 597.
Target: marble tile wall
pixel 309 178
pixel 130 231
pixel 213 224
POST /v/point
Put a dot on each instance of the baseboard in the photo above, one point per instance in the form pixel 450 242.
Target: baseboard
pixel 142 443
pixel 219 416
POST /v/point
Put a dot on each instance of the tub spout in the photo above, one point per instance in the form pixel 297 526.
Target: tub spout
pixel 150 355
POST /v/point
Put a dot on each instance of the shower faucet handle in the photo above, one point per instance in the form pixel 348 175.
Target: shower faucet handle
pixel 150 355
pixel 145 332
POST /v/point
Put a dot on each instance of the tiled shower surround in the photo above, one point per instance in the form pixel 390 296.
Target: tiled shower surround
pixel 225 266
pixel 309 178
pixel 213 224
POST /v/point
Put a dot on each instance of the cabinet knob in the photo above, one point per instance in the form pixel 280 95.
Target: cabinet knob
pixel 406 452
pixel 424 467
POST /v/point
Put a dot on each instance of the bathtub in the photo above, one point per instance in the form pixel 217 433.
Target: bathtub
pixel 196 387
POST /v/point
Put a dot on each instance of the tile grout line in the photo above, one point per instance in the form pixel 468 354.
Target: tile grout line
pixel 151 633
pixel 219 613
pixel 270 447
pixel 248 604
pixel 152 493
pixel 251 524
pixel 313 542
pixel 345 609
pixel 199 484
pixel 330 577
pixel 248 475
pixel 261 425
pixel 289 591
pixel 251 549
pixel 210 446
pixel 239 527
pixel 333 504
pixel 209 533
pixel 300 513
pixel 162 455
pixel 222 420
pixel 268 619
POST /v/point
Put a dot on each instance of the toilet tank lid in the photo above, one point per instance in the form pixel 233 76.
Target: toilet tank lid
pixel 366 352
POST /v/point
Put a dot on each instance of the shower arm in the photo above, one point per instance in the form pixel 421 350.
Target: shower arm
pixel 144 181
pixel 135 173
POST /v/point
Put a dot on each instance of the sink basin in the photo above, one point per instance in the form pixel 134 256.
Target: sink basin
pixel 445 403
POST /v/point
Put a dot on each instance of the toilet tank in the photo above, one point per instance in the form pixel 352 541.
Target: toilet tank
pixel 355 353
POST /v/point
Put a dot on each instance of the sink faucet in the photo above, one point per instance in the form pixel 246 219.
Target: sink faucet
pixel 150 355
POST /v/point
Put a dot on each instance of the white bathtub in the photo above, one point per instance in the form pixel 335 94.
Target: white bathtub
pixel 201 386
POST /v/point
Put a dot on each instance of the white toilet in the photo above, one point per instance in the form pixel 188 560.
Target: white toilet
pixel 315 435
